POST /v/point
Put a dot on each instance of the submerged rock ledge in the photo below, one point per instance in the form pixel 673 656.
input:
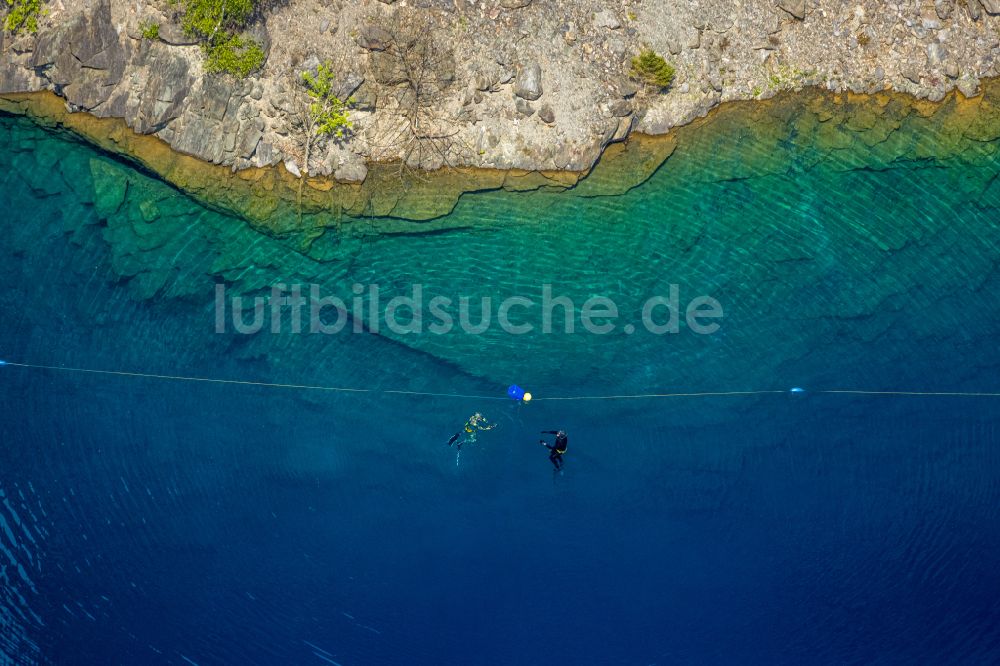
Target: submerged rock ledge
pixel 274 200
pixel 863 128
pixel 862 194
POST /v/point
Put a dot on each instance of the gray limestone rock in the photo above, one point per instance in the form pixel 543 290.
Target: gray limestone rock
pixel 504 54
pixel 258 33
pixel 15 75
pixel 173 34
pixel 623 129
pixel 528 83
pixel 620 108
pixel 483 82
pixel 627 89
pixel 387 69
pixel 796 8
pixel 310 65
pixel 523 107
pixel 266 155
pixel 514 4
pixel 374 38
pixel 249 141
pixel 165 91
pixel 351 171
pixel 84 57
pixel 547 115
pixel 975 9
pixel 210 126
pixel 347 85
pixel 617 47
pixel 968 86
pixel 936 53
pixel 910 72
pixel 365 97
pixel 607 19
pixel 490 78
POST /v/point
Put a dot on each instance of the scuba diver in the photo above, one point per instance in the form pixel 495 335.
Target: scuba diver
pixel 557 449
pixel 477 423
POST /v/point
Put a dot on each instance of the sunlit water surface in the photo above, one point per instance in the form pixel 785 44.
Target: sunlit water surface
pixel 150 521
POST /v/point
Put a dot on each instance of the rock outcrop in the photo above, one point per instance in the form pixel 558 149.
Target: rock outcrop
pixel 528 84
pixel 796 8
pixel 504 84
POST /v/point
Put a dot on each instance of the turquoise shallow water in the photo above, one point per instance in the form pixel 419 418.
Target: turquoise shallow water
pixel 148 521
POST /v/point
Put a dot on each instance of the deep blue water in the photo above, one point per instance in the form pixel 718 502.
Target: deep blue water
pixel 148 521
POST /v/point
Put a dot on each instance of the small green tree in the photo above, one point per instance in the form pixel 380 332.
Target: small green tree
pixel 329 114
pixel 652 69
pixel 326 115
pixel 23 16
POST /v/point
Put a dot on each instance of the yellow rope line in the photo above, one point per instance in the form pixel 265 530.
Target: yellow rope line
pixel 957 394
pixel 209 380
pixel 637 396
pixel 187 379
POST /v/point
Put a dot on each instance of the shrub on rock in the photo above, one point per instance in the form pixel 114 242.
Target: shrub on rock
pixel 234 55
pixel 216 23
pixel 150 30
pixel 23 16
pixel 652 70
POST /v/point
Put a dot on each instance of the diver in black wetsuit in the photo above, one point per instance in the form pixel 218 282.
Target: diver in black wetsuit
pixel 557 449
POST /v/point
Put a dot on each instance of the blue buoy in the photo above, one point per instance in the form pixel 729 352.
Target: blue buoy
pixel 797 390
pixel 518 394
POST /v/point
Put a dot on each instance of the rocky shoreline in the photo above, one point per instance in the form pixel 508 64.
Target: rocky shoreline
pixel 527 85
pixel 866 131
pixel 278 202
